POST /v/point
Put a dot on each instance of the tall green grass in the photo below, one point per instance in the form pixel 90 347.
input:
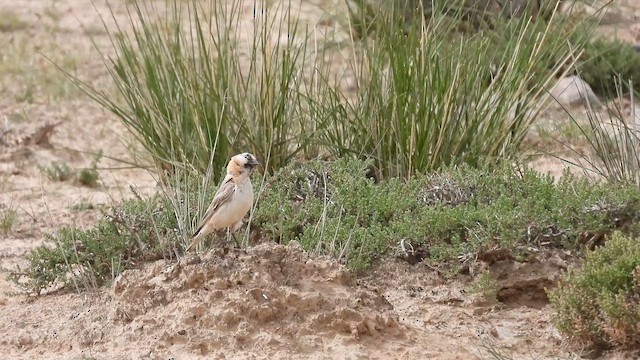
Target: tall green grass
pixel 198 82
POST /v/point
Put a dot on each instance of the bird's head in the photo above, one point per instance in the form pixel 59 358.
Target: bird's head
pixel 242 163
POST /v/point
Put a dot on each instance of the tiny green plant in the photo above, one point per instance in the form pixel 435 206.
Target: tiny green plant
pixel 83 205
pixel 57 171
pixel 486 286
pixel 8 217
pixel 89 176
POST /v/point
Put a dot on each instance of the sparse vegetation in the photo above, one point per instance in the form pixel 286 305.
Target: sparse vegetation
pixel 26 75
pixel 62 171
pixel 57 171
pixel 136 230
pixel 598 304
pixel 8 217
pixel 89 176
pixel 10 21
pixel 606 143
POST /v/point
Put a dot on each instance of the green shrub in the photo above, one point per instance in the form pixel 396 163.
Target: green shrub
pixel 134 231
pixel 598 304
pixel 605 63
pixel 335 208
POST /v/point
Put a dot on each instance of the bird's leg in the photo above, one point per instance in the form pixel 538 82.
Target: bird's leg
pixel 236 240
pixel 233 235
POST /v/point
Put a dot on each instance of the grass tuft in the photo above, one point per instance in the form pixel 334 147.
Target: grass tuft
pixel 8 217
pixel 57 171
pixel 89 176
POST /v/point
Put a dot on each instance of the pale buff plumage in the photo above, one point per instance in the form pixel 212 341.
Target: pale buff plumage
pixel 232 200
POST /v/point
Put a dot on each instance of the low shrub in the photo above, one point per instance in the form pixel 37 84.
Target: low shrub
pixel 133 231
pixel 598 304
pixel 606 62
pixel 338 208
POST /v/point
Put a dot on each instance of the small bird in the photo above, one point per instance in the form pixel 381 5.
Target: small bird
pixel 232 200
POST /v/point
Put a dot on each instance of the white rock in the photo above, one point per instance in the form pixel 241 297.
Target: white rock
pixel 572 91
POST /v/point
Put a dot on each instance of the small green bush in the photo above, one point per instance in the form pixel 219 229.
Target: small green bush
pixel 89 176
pixel 604 61
pixel 598 304
pixel 135 230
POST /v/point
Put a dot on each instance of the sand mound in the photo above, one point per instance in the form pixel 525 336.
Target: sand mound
pixel 272 300
pixel 269 296
pixel 277 302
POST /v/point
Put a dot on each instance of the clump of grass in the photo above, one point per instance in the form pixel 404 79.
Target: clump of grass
pixel 607 143
pixel 83 205
pixel 426 97
pixel 8 217
pixel 598 304
pixel 228 102
pixel 57 171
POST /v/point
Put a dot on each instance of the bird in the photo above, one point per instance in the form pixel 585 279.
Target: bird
pixel 231 202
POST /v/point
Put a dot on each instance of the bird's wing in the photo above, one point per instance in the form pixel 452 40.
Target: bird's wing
pixel 223 195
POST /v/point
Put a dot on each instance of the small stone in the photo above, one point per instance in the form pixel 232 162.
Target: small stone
pixel 573 91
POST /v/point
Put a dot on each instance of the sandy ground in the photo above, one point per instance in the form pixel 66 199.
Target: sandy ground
pixel 273 302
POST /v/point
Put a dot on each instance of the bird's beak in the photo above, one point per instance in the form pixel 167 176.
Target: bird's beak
pixel 253 162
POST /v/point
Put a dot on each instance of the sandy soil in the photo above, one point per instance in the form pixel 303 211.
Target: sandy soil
pixel 277 302
pixel 272 302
